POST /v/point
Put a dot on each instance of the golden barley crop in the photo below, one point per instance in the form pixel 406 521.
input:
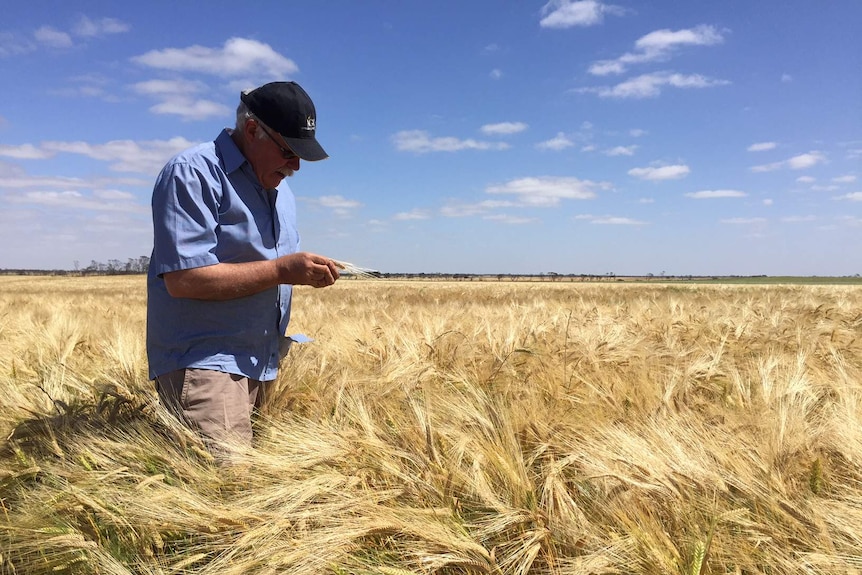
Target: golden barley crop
pixel 449 428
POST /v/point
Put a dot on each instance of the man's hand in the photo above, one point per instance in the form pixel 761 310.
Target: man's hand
pixel 304 268
pixel 228 281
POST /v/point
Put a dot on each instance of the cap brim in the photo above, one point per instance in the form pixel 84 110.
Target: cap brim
pixel 307 149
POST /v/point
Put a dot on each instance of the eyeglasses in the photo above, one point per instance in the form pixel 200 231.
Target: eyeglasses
pixel 286 153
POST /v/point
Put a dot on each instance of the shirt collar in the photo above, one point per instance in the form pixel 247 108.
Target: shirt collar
pixel 232 157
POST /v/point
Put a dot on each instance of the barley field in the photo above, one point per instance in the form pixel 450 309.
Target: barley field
pixel 448 428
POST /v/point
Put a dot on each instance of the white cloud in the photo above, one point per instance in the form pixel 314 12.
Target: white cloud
pixel 559 142
pixel 650 85
pixel 547 191
pixel 744 221
pixel 238 57
pixel 798 219
pixel 767 167
pixel 24 152
pixel 18 180
pixel 762 146
pixel 51 220
pixel 175 97
pixel 189 109
pixel 658 46
pixel 615 221
pixel 91 28
pixel 461 210
pixel 415 214
pixel 87 85
pixel 804 161
pixel 708 194
pixel 9 170
pixel 665 39
pixel 13 45
pixel 420 142
pixel 621 151
pixel 786 78
pixel 849 179
pixel 806 180
pixel 52 37
pixel 169 87
pixel 606 68
pixel 800 162
pixel 768 201
pixel 504 128
pixel 113 195
pixel 569 13
pixel 496 74
pixel 483 207
pixel 338 202
pixel 508 219
pixel 75 200
pixel 341 206
pixel 673 172
pixel 146 157
pixel 853 221
pixel 853 197
pixel 637 133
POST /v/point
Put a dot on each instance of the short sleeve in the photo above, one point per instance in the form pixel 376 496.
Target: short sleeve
pixel 185 219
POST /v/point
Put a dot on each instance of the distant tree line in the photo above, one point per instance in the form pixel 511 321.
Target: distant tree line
pixel 138 265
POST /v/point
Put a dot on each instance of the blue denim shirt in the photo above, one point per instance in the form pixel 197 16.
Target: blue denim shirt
pixel 209 207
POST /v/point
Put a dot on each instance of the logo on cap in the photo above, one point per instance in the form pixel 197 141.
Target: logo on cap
pixel 309 123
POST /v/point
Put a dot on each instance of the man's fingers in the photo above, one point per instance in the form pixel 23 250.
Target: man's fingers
pixel 319 271
pixel 329 269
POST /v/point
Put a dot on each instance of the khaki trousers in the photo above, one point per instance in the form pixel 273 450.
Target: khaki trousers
pixel 218 405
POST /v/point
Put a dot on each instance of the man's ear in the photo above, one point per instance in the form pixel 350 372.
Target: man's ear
pixel 249 128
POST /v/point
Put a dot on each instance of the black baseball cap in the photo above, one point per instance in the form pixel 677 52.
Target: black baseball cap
pixel 287 109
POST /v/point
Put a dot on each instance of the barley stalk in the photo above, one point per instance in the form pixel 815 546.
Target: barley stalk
pixel 352 269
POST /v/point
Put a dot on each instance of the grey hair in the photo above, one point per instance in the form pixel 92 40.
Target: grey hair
pixel 243 115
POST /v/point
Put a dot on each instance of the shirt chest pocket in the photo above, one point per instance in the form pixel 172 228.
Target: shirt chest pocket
pixel 245 234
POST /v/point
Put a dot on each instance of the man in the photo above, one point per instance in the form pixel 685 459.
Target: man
pixel 225 258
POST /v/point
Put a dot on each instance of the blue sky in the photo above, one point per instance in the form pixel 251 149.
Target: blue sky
pixel 487 137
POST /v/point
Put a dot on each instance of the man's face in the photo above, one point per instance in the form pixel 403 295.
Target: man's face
pixel 266 153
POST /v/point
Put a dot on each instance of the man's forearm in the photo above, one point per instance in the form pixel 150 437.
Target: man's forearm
pixel 228 281
pixel 223 281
